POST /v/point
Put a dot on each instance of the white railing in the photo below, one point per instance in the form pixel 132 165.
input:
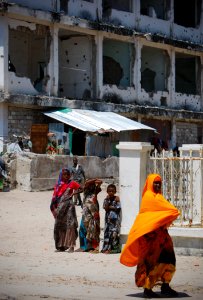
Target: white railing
pixel 182 183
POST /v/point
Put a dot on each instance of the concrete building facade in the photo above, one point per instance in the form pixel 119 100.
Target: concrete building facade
pixel 140 58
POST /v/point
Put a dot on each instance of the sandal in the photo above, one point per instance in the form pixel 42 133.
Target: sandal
pixel 107 252
pixel 95 251
pixel 70 250
pixel 79 250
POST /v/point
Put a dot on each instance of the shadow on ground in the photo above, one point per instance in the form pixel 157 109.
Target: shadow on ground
pixel 160 296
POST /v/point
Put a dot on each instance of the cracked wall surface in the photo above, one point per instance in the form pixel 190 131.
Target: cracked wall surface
pixel 29 54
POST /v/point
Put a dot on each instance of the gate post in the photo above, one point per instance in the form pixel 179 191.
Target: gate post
pixel 133 157
pixel 195 151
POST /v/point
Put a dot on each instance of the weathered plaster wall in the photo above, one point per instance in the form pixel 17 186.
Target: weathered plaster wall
pixel 186 34
pixel 35 172
pixel 191 102
pixel 119 61
pixel 132 94
pixel 153 25
pixel 157 61
pixel 114 94
pixel 29 53
pixel 84 9
pixel 49 5
pixel 20 85
pixel 154 98
pixel 75 61
pixel 118 17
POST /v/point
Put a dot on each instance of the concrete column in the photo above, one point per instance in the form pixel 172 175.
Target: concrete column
pixel 53 67
pixel 4 53
pixel 137 69
pixel 136 9
pixel 172 11
pixel 201 24
pixel 132 175
pixel 171 81
pixel 195 152
pixel 99 64
pixel 99 8
pixel 173 133
pixel 201 75
pixel 3 125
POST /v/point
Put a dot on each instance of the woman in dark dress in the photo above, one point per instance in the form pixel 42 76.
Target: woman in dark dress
pixel 63 210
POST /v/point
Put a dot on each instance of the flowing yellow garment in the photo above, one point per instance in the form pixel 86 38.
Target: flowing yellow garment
pixel 155 212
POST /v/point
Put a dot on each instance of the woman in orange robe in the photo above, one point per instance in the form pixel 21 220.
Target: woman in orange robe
pixel 149 245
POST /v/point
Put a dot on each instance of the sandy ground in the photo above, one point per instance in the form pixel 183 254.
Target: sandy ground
pixel 31 269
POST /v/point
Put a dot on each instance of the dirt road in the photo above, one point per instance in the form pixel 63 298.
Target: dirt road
pixel 31 269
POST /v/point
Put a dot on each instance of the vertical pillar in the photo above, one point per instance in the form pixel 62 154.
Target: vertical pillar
pixel 53 67
pixel 132 176
pixel 99 64
pixel 3 125
pixel 171 79
pixel 195 152
pixel 137 69
pixel 99 8
pixel 173 134
pixel 4 53
pixel 201 24
pixel 172 11
pixel 3 79
pixel 136 9
pixel 70 136
pixel 201 74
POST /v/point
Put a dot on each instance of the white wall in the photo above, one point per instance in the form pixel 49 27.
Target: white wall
pixel 37 4
pixel 75 62
pixel 83 9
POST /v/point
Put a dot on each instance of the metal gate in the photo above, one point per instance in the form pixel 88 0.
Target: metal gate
pixel 182 184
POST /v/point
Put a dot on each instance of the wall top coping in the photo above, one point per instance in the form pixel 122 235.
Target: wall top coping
pixel 186 232
pixel 134 146
pixel 188 147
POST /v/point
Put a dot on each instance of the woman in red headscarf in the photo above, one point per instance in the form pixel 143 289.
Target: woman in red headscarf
pixel 63 210
pixel 149 245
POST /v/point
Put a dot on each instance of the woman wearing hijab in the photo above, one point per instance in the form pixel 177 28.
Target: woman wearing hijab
pixel 89 231
pixel 149 246
pixel 63 210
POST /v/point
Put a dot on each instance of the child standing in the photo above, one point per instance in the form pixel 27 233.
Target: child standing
pixel 112 221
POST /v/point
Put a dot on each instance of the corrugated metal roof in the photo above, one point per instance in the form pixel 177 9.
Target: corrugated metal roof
pixel 95 121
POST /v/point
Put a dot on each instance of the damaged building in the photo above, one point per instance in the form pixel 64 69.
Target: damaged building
pixel 142 59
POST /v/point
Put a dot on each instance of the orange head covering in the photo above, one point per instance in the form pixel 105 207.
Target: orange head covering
pixel 154 213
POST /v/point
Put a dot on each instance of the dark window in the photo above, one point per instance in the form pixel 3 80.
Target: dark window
pixel 186 80
pixel 187 13
pixel 123 5
pixel 155 8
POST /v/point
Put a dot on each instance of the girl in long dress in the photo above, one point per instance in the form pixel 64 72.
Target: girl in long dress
pixel 112 221
pixel 89 231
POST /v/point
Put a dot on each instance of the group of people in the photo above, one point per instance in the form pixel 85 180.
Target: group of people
pixel 149 245
pixel 65 196
pixel 60 146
